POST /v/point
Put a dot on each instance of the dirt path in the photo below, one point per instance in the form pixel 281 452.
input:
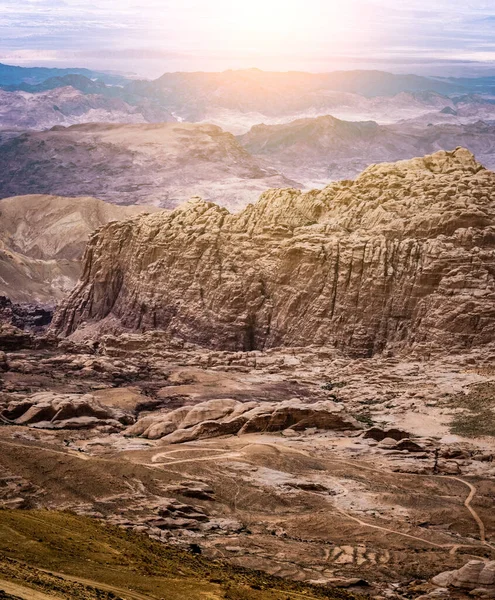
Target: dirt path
pixel 467 501
pixel 189 460
pixel 238 454
pixel 476 517
pixel 231 454
pixel 24 592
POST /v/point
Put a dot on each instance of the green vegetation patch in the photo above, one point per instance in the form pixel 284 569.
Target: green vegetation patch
pixel 477 417
pixel 104 562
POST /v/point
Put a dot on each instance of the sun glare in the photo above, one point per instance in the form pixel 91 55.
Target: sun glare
pixel 279 19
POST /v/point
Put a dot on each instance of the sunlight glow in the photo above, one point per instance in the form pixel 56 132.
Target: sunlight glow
pixel 265 24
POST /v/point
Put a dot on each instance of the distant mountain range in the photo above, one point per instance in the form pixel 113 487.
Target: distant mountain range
pixel 14 75
pixel 237 100
pixel 162 164
pixel 315 151
pixel 69 106
pixel 76 132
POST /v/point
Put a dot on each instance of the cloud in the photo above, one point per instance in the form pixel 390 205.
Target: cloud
pixel 152 36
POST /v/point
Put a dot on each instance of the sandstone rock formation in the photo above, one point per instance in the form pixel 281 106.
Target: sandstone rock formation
pixel 48 410
pixel 229 417
pixel 475 575
pixel 401 257
pixel 42 240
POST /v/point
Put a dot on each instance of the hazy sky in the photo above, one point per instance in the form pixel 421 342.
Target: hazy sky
pixel 152 36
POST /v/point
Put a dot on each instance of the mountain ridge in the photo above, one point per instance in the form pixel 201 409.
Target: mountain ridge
pixel 369 265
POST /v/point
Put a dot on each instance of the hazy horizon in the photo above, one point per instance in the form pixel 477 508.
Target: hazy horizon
pixel 447 38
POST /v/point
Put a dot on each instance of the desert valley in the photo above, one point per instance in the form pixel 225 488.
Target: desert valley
pixel 247 336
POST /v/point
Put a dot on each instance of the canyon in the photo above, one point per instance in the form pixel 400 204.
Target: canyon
pixel 42 241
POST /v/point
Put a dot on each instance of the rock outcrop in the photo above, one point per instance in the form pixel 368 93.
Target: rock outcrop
pixel 230 417
pixel 46 410
pixel 400 258
pixel 475 575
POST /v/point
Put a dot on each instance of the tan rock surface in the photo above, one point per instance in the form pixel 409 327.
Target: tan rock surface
pixel 48 410
pixel 476 574
pixel 402 257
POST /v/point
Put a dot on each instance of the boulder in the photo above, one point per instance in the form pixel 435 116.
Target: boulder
pixel 378 434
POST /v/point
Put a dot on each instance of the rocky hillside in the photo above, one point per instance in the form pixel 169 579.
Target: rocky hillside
pixel 68 106
pixel 162 164
pixel 316 150
pixel 401 257
pixel 242 97
pixel 42 240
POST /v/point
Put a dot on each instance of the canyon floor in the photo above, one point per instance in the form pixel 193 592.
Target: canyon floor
pixel 402 494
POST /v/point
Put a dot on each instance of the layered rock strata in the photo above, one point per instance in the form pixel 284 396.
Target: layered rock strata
pixel 229 417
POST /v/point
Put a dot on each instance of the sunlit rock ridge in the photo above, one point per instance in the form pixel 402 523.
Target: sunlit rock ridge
pixel 400 258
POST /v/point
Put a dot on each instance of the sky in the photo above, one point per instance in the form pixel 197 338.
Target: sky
pixel 150 37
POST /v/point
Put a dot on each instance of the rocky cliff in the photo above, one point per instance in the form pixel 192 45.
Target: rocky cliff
pixel 402 257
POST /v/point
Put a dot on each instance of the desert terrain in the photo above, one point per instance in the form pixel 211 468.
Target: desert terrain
pixel 295 400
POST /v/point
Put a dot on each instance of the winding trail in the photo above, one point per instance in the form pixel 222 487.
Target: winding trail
pixel 467 501
pixel 238 454
pixel 467 504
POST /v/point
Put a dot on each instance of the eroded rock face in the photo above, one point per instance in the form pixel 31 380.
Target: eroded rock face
pixel 400 258
pixel 229 417
pixel 63 411
pixel 474 575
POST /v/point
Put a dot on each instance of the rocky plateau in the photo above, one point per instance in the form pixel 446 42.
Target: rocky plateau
pixel 159 164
